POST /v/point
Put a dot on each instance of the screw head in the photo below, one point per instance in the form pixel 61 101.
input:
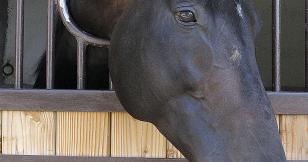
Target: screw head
pixel 8 69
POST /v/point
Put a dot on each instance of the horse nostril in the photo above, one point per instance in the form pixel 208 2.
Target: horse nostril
pixel 8 69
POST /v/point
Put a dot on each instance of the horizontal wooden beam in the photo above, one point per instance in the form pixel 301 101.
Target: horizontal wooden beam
pixel 59 100
pixel 289 103
pixel 19 158
pixel 15 158
pixel 106 101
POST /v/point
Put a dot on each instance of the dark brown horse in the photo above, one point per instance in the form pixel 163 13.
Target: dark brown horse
pixel 187 66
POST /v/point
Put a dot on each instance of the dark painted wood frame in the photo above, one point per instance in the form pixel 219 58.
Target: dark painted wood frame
pixel 106 101
pixel 24 158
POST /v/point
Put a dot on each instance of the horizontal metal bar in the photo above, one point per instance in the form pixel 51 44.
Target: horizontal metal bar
pixel 106 101
pixel 20 158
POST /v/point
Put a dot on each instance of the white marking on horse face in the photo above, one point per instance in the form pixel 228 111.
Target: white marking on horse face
pixel 236 55
pixel 239 10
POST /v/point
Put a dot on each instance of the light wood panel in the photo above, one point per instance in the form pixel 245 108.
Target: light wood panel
pixel 0 132
pixel 294 135
pixel 172 152
pixel 133 138
pixel 28 133
pixel 83 134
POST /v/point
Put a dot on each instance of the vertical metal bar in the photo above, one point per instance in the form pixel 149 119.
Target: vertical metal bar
pixel 19 38
pixel 50 46
pixel 110 83
pixel 81 59
pixel 306 45
pixel 277 45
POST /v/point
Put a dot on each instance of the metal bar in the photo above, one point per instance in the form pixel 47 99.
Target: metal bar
pixel 50 45
pixel 32 158
pixel 83 39
pixel 81 64
pixel 107 101
pixel 277 45
pixel 19 49
pixel 306 45
pixel 110 83
pixel 75 29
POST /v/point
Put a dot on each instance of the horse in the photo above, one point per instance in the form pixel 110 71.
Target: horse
pixel 188 67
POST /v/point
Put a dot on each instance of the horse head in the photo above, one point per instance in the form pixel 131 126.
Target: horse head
pixel 189 67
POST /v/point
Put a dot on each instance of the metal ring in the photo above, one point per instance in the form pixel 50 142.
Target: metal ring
pixel 75 29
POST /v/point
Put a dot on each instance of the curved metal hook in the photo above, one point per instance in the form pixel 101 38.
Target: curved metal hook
pixel 75 29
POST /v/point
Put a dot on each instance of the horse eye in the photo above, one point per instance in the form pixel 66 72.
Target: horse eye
pixel 185 16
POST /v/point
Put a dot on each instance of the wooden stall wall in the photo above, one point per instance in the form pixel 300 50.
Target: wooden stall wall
pixel 28 133
pixel 112 134
pixel 83 134
pixel 294 136
pixel 130 137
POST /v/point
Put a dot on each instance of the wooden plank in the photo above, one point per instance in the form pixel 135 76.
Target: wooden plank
pixel 6 158
pixel 59 100
pixel 83 134
pixel 133 138
pixel 289 103
pixel 294 136
pixel 172 152
pixel 28 133
pixel 106 101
